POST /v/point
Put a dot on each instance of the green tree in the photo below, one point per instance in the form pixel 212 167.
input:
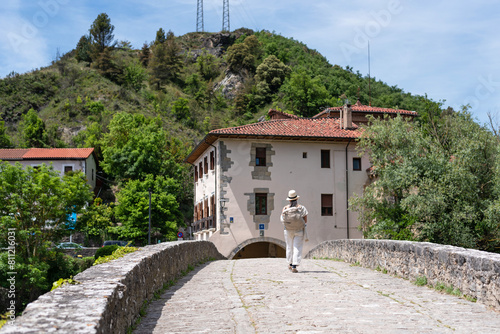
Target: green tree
pixel 166 63
pixel 96 221
pixel 208 66
pixel 5 141
pixel 145 55
pixel 105 63
pixel 132 209
pixel 101 34
pixel 37 202
pixel 305 94
pixel 160 36
pixel 134 76
pixel 33 132
pixel 137 146
pixel 434 187
pixel 271 74
pixel 83 49
pixel 238 57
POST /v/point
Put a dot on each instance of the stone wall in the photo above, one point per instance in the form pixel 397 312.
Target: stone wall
pixel 110 295
pixel 475 273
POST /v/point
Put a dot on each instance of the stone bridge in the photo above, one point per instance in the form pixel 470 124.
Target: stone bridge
pixel 343 286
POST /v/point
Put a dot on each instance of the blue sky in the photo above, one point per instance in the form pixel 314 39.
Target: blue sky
pixel 449 50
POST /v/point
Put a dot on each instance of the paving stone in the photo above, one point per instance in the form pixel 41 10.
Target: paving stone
pixel 263 296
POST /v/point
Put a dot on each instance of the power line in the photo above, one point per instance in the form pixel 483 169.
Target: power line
pixel 199 17
pixel 225 16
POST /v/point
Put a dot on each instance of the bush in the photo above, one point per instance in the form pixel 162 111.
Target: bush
pixel 105 251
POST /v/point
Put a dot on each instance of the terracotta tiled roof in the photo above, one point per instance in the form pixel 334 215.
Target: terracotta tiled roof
pixel 45 153
pixel 13 154
pixel 358 107
pixel 327 129
pixel 297 128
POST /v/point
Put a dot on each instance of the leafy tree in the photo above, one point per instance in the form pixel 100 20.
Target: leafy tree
pixel 432 187
pixel 133 209
pixel 4 139
pixel 83 49
pixel 180 109
pixel 96 220
pixel 101 34
pixel 37 202
pixel 33 131
pixel 208 66
pixel 166 62
pixel 107 67
pixel 238 57
pixel 271 74
pixel 134 76
pixel 137 146
pixel 145 55
pixel 305 94
pixel 160 36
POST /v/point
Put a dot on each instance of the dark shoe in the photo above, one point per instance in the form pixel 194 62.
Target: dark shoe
pixel 294 270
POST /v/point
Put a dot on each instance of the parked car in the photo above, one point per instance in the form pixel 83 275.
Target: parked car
pixel 114 242
pixel 69 245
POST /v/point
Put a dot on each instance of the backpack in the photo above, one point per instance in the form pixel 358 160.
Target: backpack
pixel 292 219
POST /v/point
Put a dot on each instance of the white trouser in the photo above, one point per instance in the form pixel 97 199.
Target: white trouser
pixel 294 242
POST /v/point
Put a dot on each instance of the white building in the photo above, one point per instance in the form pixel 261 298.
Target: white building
pixel 242 176
pixel 63 159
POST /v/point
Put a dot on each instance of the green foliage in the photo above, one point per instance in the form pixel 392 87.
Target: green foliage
pixel 118 253
pixel 132 209
pixel 421 281
pixel 134 76
pixel 33 131
pixel 433 182
pixel 165 63
pixel 244 55
pixel 160 36
pixel 305 94
pixel 135 147
pixel 208 65
pixel 37 202
pixel 83 49
pixel 101 34
pixel 96 220
pixel 271 74
pixel 62 281
pixel 5 141
pixel 105 251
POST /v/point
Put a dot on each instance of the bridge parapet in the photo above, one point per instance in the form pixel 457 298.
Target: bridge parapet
pixel 110 295
pixel 475 273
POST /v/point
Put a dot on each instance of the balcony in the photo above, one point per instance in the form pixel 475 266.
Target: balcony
pixel 204 224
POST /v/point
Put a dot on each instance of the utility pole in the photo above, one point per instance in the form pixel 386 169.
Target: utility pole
pixel 225 16
pixel 199 17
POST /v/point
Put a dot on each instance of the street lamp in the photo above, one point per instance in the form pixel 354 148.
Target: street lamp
pixel 149 227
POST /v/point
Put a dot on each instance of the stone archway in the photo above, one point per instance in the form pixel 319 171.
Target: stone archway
pixel 258 248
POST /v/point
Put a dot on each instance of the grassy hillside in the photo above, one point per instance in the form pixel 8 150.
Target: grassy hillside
pixel 69 95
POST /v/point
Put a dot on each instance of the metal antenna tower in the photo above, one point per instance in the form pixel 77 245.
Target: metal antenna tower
pixel 225 16
pixel 199 17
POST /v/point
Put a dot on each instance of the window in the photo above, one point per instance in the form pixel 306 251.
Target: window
pixel 195 173
pixel 356 163
pixel 68 169
pixel 200 166
pixel 260 156
pixel 304 155
pixel 212 160
pixel 205 164
pixel 326 204
pixel 325 158
pixel 260 204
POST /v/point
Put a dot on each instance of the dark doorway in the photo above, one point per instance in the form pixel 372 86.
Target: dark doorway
pixel 260 249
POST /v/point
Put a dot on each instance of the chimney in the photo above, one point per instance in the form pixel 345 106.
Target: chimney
pixel 346 116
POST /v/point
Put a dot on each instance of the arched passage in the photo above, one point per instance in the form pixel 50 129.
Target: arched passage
pixel 259 247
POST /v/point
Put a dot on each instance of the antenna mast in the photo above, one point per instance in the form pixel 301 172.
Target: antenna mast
pixel 225 16
pixel 199 17
pixel 369 78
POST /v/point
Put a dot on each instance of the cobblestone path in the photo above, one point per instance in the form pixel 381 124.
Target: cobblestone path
pixel 263 296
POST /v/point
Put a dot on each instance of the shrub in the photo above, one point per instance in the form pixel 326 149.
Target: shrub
pixel 105 251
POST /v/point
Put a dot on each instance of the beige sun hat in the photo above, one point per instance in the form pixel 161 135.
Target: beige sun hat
pixel 292 195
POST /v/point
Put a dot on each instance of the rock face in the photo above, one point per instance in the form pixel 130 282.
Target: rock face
pixel 110 295
pixel 474 273
pixel 229 85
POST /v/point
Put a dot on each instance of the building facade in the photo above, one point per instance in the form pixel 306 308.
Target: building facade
pixel 62 159
pixel 242 176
